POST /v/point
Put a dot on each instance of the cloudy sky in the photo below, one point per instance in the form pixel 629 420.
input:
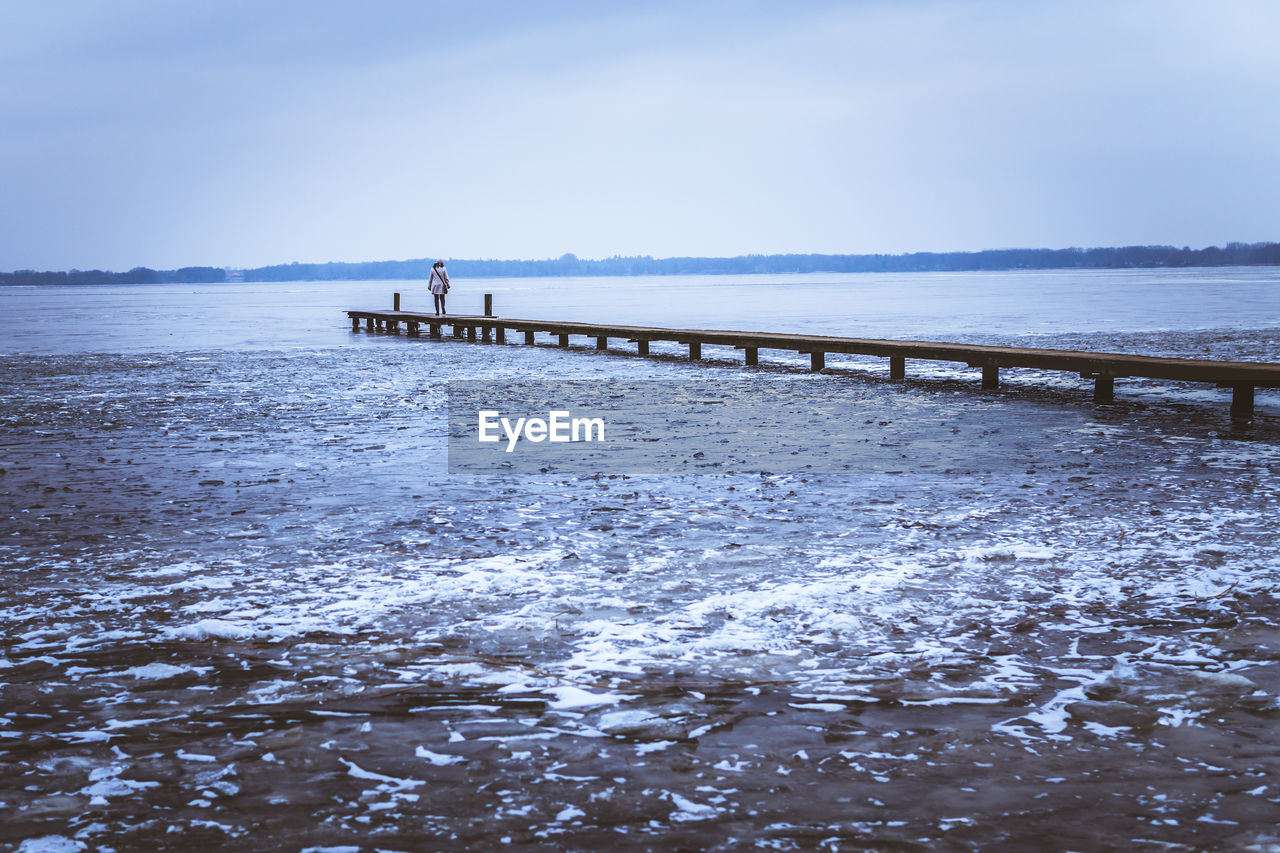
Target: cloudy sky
pixel 246 133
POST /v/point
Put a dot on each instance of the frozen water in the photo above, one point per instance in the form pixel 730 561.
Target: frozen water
pixel 244 605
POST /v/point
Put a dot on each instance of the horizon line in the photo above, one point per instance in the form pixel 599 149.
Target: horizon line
pixel 569 257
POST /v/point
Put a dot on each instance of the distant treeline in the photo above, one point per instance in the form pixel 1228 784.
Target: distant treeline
pixel 137 275
pixel 1234 254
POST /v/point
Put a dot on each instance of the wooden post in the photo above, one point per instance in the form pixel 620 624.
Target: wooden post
pixel 753 355
pixel 564 340
pixel 393 326
pixel 485 335
pixel 395 302
pixel 642 346
pixel 1241 402
pixel 1104 389
pixel 435 330
pixel 528 338
pixel 817 360
pixel 990 376
pixel 457 330
pixel 413 328
pixel 500 334
pixel 368 324
pixel 602 342
pixel 355 324
pixel 471 333
pixel 695 350
pixel 897 368
pixel 488 305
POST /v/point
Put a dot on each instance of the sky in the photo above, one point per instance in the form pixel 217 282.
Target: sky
pixel 240 134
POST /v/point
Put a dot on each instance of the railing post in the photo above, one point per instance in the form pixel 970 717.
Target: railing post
pixel 488 305
pixel 1241 402
pixel 395 302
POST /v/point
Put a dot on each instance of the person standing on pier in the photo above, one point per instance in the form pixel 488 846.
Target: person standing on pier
pixel 439 285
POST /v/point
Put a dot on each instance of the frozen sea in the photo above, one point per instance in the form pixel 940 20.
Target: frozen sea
pixel 245 606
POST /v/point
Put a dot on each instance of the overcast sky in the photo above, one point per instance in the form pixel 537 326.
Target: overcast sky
pixel 227 133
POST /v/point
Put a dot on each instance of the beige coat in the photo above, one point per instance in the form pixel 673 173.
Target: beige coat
pixel 439 280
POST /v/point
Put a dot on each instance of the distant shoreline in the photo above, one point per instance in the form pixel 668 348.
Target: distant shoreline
pixel 989 260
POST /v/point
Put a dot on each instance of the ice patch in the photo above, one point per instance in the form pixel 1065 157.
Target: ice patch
pixel 437 758
pixel 51 844
pixel 569 696
pixel 210 629
pixel 689 810
pixel 569 813
pixel 107 783
pixel 155 671
pixel 358 772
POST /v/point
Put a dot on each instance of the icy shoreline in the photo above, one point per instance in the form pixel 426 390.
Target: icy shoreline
pixel 231 605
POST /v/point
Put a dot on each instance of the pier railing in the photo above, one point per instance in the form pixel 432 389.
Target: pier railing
pixel 1102 367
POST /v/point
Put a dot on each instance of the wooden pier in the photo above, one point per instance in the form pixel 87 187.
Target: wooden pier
pixel 1104 368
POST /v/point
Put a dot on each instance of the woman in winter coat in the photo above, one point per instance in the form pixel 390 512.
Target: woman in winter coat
pixel 439 285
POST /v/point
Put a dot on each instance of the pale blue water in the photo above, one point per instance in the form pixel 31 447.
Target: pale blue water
pixel 246 606
pixel 950 306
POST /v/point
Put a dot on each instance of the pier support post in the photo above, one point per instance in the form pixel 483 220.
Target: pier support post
pixel 368 324
pixel 457 331
pixel 1241 402
pixel 1104 389
pixel 488 305
pixel 528 338
pixel 435 330
pixel 500 334
pixel 817 360
pixel 753 355
pixel 602 342
pixel 642 347
pixel 413 328
pixel 471 333
pixel 395 302
pixel 990 376
pixel 695 350
pixel 897 368
pixel 564 340
pixel 486 335
pixel 393 326
pixel 355 324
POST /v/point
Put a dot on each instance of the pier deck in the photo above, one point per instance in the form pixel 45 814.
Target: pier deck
pixel 1102 367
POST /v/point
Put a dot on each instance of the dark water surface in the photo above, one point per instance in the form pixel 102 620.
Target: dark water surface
pixel 245 607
